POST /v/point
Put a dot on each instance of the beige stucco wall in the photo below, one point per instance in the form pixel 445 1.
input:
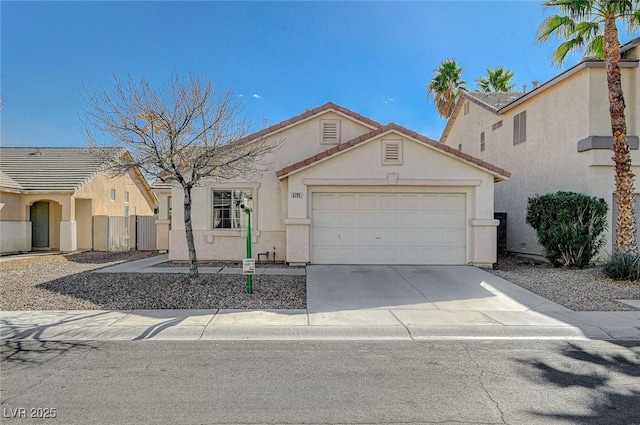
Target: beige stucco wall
pixel 99 189
pixel 270 197
pixel 548 161
pixel 10 207
pixel 84 226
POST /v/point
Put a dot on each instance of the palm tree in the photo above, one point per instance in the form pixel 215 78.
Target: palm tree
pixel 446 87
pixel 497 80
pixel 590 26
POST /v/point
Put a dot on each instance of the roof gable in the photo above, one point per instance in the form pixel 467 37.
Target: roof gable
pixel 499 173
pixel 309 114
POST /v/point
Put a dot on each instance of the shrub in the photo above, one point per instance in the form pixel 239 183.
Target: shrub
pixel 569 225
pixel 622 267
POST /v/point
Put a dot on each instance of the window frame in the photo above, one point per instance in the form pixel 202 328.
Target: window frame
pixel 112 195
pixel 126 196
pixel 233 208
pixel 482 142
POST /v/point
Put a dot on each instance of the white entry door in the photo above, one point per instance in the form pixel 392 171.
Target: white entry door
pixel 388 228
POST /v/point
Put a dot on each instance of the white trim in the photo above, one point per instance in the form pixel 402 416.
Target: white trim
pixel 399 182
pixel 233 186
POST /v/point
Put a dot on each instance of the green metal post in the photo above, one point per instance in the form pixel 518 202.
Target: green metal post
pixel 249 277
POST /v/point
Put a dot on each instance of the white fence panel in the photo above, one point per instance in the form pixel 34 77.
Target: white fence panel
pixel 118 233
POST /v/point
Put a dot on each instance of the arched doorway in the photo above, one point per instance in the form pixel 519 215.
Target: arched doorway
pixel 40 225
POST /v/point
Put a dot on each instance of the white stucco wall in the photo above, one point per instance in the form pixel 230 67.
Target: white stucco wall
pixel 548 161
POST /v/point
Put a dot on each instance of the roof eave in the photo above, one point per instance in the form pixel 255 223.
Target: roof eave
pixel 586 63
pixel 497 172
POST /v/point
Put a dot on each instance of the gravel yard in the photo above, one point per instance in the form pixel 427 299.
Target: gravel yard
pixel 580 290
pixel 65 282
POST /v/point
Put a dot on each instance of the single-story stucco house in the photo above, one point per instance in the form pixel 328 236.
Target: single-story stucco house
pixel 49 196
pixel 344 189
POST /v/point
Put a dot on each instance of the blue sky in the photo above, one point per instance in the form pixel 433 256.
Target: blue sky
pixel 374 58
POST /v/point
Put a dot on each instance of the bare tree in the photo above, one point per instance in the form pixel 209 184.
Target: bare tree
pixel 182 132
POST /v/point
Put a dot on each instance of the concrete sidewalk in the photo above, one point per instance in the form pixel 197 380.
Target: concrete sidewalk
pixel 379 324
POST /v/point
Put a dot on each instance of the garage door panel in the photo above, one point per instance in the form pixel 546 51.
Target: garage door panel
pixel 388 228
pixel 323 201
pixel 408 219
pixel 368 218
pixel 367 201
pixel 367 236
pixel 430 218
pixel 453 238
pixel 430 202
pixel 408 201
pixel 388 219
pixel 388 202
pixel 346 201
pixel 452 219
pixel 452 202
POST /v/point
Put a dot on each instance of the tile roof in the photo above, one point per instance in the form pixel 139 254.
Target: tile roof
pixel 497 171
pixel 494 101
pixel 47 169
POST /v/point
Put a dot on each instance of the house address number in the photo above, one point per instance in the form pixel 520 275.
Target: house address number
pixel 296 194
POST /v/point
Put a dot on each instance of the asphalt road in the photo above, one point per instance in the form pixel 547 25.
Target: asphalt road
pixel 448 382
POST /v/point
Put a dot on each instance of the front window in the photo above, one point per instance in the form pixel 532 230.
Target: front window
pixel 227 213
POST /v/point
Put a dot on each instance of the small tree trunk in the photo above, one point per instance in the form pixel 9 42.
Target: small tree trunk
pixel 626 222
pixel 193 262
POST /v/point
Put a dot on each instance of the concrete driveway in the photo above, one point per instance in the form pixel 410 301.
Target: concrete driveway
pixel 384 295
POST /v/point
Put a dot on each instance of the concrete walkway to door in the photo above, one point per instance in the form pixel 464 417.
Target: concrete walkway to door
pixel 446 301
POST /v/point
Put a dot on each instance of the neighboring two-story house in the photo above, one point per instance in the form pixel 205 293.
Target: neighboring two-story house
pixel 344 189
pixel 555 137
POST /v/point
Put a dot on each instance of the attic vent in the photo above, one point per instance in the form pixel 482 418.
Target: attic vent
pixel 497 125
pixel 330 131
pixel 392 152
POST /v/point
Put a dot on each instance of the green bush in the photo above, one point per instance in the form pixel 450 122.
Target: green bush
pixel 569 225
pixel 623 267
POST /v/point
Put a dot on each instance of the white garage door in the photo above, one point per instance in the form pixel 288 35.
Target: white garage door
pixel 388 228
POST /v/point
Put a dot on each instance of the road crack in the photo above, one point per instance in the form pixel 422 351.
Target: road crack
pixel 482 385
